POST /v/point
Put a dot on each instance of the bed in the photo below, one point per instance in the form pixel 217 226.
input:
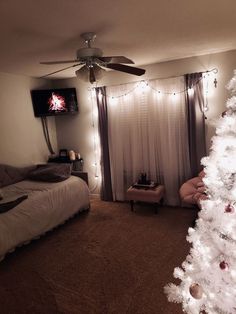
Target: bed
pixel 48 204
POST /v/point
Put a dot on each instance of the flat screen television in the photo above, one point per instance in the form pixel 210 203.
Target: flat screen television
pixel 54 102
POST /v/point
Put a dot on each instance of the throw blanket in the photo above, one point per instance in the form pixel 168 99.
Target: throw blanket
pixel 51 172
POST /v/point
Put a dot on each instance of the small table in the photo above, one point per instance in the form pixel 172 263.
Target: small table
pixel 149 195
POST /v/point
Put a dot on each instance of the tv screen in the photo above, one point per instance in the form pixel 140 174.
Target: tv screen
pixel 54 102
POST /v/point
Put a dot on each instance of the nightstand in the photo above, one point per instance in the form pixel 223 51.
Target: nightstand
pixel 77 165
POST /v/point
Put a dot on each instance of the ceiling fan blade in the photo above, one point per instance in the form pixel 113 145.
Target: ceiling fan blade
pixel 72 66
pixel 58 62
pixel 125 68
pixel 92 77
pixel 116 59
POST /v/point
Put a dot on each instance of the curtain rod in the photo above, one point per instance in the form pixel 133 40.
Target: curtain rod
pixel 214 70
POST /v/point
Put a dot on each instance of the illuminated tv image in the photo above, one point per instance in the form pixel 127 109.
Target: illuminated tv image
pixel 53 102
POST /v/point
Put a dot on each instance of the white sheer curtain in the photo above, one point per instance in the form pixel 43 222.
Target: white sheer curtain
pixel 148 133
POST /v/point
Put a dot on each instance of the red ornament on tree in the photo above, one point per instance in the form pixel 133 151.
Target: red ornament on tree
pixel 229 208
pixel 223 265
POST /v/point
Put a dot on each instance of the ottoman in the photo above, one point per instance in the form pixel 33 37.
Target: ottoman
pixel 149 195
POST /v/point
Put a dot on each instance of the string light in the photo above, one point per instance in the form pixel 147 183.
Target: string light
pixel 126 96
pixel 144 85
pixel 113 101
pixel 100 96
pixel 174 96
pixel 208 76
pixel 158 94
pixel 211 295
pixel 95 112
pixel 95 136
pixel 206 89
pixel 93 93
pixel 190 91
pixel 233 273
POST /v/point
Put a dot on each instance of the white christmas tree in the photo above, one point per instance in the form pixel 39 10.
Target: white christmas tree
pixel 208 275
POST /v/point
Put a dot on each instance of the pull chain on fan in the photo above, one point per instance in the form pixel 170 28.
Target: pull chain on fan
pixel 94 64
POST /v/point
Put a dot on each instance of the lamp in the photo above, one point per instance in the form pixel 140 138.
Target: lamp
pixel 84 73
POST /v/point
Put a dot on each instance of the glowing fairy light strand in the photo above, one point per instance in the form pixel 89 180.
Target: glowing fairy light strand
pixel 95 149
pixel 147 83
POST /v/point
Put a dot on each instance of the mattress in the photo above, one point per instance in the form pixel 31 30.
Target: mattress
pixel 47 206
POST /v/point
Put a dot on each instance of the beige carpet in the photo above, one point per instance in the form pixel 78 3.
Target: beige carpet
pixel 106 261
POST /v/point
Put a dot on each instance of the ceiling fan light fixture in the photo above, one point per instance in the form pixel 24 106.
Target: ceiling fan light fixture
pixel 99 72
pixel 84 73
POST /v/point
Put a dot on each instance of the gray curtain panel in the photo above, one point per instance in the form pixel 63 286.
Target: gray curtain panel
pixel 196 121
pixel 106 187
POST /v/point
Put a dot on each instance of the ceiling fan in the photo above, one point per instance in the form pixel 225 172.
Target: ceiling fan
pixel 94 64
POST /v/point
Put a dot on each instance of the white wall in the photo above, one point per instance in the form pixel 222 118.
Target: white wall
pixel 21 135
pixel 76 132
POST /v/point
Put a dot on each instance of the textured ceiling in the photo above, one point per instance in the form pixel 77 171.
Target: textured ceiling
pixel 148 31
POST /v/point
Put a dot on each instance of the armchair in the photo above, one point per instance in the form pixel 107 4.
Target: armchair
pixel 193 191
